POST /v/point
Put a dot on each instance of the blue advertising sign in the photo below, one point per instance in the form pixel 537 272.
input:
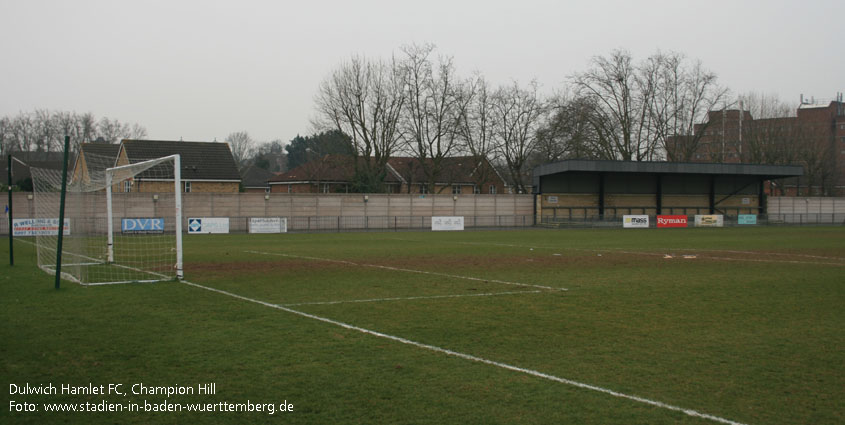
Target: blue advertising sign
pixel 142 225
pixel 747 219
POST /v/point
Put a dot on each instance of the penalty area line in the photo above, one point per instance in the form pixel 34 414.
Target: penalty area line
pixel 397 269
pixel 654 403
pixel 430 297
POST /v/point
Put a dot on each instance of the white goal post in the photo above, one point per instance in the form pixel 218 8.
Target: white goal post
pixel 177 200
pixel 112 232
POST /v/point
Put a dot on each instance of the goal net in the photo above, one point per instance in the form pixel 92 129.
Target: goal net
pixel 122 224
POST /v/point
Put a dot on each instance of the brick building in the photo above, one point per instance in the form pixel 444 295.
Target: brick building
pixel 813 138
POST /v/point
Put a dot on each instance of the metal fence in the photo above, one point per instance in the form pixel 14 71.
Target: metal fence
pixel 819 219
pixel 382 223
pixel 306 224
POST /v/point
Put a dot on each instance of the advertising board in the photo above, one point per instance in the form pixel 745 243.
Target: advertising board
pixel 713 220
pixel 208 225
pixel 746 219
pixel 447 223
pixel 268 225
pixel 38 227
pixel 671 221
pixel 635 221
pixel 142 225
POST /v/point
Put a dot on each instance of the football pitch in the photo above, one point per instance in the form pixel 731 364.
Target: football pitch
pixel 604 326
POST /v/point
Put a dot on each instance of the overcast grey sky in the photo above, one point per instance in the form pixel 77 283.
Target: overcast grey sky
pixel 203 69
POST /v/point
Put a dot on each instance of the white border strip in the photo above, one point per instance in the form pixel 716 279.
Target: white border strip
pixel 688 412
pixel 431 297
pixel 278 254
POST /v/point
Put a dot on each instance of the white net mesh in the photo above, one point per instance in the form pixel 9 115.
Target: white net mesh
pixel 143 207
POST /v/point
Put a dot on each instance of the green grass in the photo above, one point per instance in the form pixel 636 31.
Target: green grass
pixel 750 330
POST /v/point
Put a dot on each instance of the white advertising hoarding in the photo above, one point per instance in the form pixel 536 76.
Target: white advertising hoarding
pixel 268 225
pixel 38 227
pixel 447 223
pixel 713 220
pixel 635 221
pixel 208 225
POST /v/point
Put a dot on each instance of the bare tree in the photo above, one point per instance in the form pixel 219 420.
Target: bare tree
pixel 573 131
pixel 241 145
pixel 363 99
pixel 773 136
pixel 623 94
pixel 44 130
pixel 431 109
pixel 685 94
pixel 517 112
pixel 476 126
pixel 112 131
pixel 5 140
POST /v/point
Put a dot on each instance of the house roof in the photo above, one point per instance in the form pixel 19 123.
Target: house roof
pixel 102 149
pixel 453 170
pixel 256 177
pixel 329 168
pixel 46 160
pixel 409 170
pixel 200 160
pixel 98 156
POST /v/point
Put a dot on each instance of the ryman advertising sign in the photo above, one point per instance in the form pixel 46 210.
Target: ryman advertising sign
pixel 671 221
pixel 635 221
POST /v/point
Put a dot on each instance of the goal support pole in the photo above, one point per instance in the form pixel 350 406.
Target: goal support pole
pixel 61 225
pixel 11 217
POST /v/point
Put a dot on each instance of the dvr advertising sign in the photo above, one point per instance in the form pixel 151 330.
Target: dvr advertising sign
pixel 142 225
pixel 671 221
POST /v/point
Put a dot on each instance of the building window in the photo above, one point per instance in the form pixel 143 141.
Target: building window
pixel 187 187
pixel 476 190
pixel 325 188
pixel 127 186
pixel 290 188
pixel 423 189
pixel 456 189
pixel 492 189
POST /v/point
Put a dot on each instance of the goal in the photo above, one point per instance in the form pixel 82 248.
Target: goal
pixel 122 223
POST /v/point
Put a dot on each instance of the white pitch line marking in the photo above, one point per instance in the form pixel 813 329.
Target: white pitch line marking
pixel 504 282
pixel 431 297
pixel 688 412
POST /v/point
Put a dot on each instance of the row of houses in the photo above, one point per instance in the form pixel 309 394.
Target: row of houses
pixel 210 167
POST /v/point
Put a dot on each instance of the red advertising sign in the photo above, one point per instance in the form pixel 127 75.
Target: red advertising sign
pixel 671 221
